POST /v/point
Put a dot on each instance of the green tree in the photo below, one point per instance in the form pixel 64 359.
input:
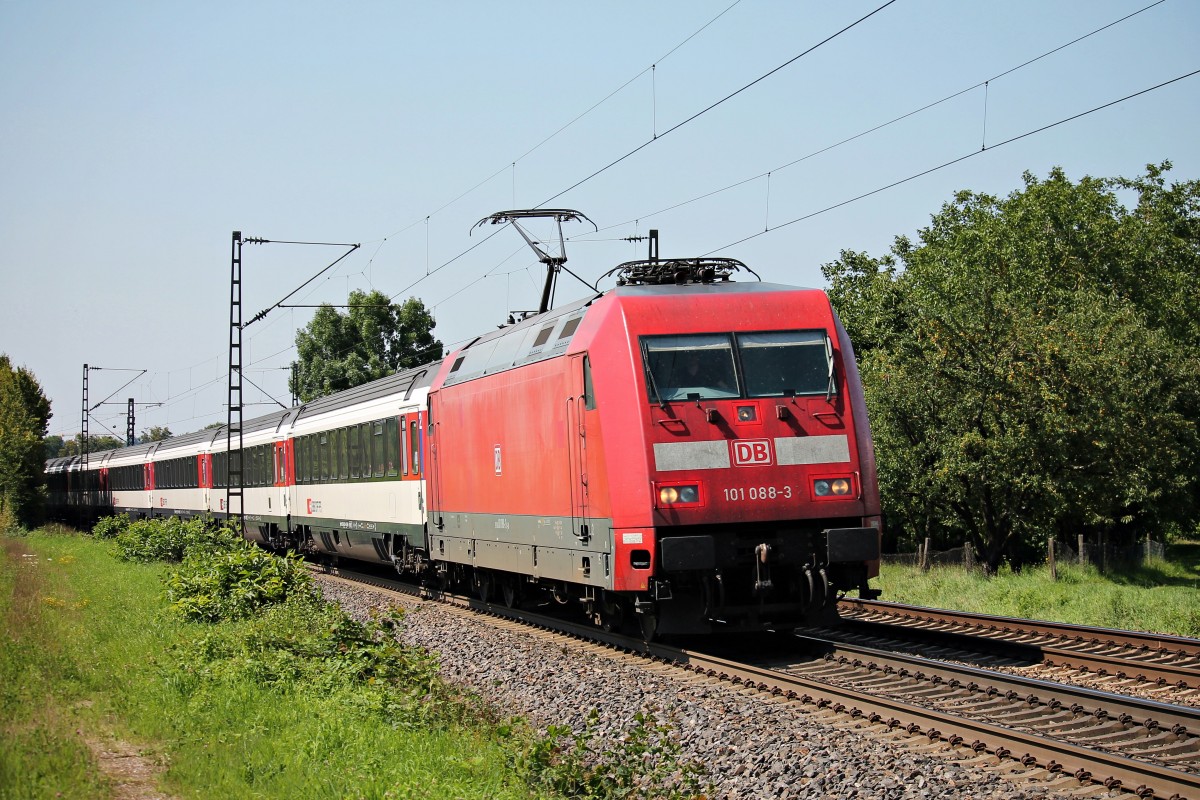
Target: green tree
pixel 24 414
pixel 1031 366
pixel 96 444
pixel 53 446
pixel 156 433
pixel 374 339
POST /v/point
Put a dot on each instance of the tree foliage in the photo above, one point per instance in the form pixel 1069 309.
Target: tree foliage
pixel 1032 365
pixel 374 339
pixel 155 433
pixel 24 414
pixel 74 446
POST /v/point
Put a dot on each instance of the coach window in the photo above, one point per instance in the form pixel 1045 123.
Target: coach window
pixel 344 453
pixel 355 451
pixel 308 459
pixel 335 445
pixel 404 468
pixel 364 452
pixel 392 439
pixel 377 447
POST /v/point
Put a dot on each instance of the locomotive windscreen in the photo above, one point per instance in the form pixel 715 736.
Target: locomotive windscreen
pixel 767 364
pixel 780 362
pixel 696 366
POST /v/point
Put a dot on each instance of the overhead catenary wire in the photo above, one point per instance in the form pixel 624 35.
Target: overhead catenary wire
pixel 959 159
pixel 728 97
pixel 820 151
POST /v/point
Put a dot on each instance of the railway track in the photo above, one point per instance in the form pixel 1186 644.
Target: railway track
pixel 1121 656
pixel 1071 736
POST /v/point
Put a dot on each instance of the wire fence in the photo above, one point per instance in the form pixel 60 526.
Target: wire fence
pixel 1103 557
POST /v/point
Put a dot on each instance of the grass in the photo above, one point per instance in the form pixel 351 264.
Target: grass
pixel 40 754
pixel 1159 596
pixel 283 697
pixel 87 644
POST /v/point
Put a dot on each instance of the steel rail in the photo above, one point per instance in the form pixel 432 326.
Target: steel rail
pixel 1154 658
pixel 1136 639
pixel 1150 714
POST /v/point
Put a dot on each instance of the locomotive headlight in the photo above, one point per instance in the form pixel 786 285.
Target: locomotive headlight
pixel 679 494
pixel 832 488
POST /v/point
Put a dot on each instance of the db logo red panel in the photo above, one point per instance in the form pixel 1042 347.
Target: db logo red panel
pixel 751 452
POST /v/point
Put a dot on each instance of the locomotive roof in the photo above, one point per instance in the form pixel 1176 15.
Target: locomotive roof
pixel 549 334
pixel 723 287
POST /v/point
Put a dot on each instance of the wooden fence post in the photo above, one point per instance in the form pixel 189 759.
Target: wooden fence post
pixel 1053 566
pixel 1082 560
pixel 925 564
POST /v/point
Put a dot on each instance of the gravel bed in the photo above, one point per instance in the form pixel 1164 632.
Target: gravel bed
pixel 754 746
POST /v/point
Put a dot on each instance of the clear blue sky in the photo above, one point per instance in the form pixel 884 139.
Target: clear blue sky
pixel 137 136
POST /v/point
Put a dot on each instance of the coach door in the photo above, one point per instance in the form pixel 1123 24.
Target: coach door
pixel 281 478
pixel 577 403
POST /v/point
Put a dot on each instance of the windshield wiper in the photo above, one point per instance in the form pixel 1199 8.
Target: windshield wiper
pixel 829 357
pixel 654 386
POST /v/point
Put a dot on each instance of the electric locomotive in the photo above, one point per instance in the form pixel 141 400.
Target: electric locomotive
pixel 683 450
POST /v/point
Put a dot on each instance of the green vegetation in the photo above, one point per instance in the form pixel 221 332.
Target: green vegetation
pixel 297 700
pixel 1032 365
pixel 24 415
pixel 374 339
pixel 1159 596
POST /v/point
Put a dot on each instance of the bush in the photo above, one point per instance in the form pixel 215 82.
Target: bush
pixel 214 584
pixel 172 539
pixel 110 527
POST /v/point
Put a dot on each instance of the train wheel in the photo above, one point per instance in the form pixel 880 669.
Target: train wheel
pixel 511 591
pixel 612 615
pixel 483 585
pixel 649 625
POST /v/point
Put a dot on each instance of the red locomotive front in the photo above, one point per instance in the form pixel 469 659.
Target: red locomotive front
pixel 755 499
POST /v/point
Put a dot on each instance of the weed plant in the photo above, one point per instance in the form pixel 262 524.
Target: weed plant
pixel 646 765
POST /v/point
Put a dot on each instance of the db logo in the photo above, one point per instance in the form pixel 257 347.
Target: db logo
pixel 309 504
pixel 751 451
